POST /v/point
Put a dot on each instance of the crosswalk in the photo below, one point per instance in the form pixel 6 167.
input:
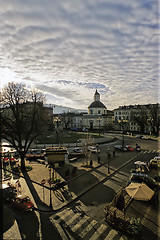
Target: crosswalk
pixel 74 223
pixel 150 151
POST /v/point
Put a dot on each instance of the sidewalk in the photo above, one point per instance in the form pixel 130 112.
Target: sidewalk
pixel 76 185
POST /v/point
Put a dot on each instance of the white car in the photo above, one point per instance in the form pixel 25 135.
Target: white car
pixel 77 150
pixel 93 149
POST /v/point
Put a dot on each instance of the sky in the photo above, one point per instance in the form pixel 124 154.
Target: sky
pixel 70 48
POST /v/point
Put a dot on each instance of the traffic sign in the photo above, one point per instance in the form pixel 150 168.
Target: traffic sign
pixel 43 181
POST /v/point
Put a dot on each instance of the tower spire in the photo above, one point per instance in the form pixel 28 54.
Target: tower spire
pixel 96 96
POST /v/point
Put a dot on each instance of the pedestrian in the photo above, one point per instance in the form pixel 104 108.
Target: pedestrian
pixel 91 163
pixel 108 166
pixel 113 153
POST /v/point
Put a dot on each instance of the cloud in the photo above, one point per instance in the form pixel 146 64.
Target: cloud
pixel 70 48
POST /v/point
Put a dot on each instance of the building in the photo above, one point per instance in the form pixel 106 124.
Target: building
pixel 137 118
pixel 97 118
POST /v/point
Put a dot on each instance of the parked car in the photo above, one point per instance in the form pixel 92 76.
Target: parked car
pixel 146 138
pixel 155 162
pixel 141 177
pixel 23 202
pixel 6 160
pixel 93 149
pixel 77 150
pixel 119 148
pixel 7 193
pixel 139 136
pixel 129 148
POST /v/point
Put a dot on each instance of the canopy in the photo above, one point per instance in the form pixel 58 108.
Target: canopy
pixel 139 191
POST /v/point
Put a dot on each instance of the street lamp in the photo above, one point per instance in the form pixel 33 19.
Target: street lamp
pixel 50 196
pixel 99 120
pixel 150 123
pixel 121 122
pixel 57 120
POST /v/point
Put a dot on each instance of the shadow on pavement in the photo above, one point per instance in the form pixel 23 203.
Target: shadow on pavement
pixel 46 227
pixel 85 180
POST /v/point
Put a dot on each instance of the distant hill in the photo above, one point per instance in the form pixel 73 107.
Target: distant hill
pixel 60 109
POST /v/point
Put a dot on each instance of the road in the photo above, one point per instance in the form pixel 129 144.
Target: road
pixel 83 218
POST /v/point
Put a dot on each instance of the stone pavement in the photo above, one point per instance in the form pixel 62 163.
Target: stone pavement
pixel 75 184
pixel 42 197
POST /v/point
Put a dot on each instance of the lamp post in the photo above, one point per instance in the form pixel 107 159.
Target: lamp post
pixel 50 204
pixel 57 120
pixel 99 120
pixel 150 122
pixel 122 128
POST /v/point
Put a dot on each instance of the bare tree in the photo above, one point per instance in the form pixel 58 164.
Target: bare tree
pixel 155 118
pixel 140 118
pixel 23 117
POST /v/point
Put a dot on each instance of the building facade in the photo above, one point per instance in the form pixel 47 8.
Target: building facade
pixel 97 118
pixel 137 118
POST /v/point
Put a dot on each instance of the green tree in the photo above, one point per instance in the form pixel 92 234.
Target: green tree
pixel 23 117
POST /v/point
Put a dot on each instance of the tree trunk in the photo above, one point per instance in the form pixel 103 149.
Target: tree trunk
pixel 23 167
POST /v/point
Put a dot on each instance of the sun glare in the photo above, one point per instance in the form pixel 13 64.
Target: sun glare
pixel 6 75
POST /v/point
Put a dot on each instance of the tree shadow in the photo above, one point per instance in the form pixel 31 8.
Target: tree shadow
pixel 84 180
pixel 8 222
pixel 47 228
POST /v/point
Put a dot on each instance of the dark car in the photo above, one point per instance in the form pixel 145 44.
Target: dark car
pixel 119 148
pixel 8 193
pixel 140 177
pixel 23 202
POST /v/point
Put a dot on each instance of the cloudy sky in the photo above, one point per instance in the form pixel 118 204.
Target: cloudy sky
pixel 70 48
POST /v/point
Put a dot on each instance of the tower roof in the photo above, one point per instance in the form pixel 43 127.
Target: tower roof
pixel 97 93
pixel 97 104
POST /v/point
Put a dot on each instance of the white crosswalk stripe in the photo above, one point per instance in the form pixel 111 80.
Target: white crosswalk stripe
pixel 88 228
pixel 81 224
pixel 154 151
pixel 60 230
pixel 98 232
pixel 150 151
pixel 69 222
pixel 111 234
pixel 144 152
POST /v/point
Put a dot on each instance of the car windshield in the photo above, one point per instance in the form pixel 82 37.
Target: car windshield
pixel 25 199
pixel 143 178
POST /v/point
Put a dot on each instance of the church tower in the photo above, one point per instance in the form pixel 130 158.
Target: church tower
pixel 96 96
pixel 97 107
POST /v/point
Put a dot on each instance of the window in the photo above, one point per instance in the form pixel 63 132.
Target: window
pixel 91 111
pixel 99 111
